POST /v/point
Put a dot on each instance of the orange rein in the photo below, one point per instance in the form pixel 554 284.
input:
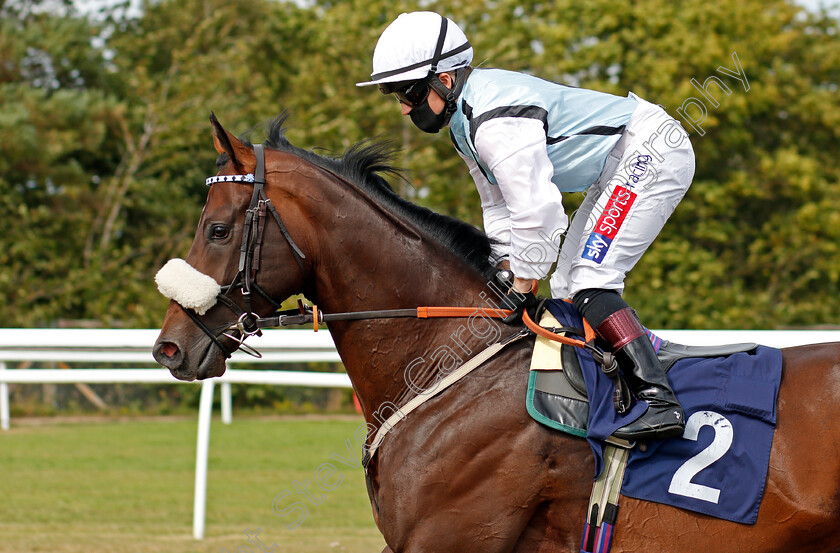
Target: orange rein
pixel 436 312
pixel 426 312
pixel 540 331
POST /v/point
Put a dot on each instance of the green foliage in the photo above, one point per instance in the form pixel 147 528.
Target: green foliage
pixel 106 143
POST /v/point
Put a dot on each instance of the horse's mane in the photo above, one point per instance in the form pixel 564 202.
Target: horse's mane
pixel 364 164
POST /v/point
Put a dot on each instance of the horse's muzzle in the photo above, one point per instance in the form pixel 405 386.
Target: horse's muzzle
pixel 197 364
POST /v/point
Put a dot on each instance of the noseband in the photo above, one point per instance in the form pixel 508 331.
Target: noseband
pixel 253 234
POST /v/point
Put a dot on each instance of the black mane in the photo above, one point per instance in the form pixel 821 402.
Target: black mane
pixel 364 164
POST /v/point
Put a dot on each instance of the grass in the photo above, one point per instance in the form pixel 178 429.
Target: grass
pixel 121 487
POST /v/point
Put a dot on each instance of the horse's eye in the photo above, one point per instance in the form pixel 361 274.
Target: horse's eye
pixel 219 232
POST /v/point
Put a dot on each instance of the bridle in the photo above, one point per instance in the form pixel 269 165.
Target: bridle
pixel 250 252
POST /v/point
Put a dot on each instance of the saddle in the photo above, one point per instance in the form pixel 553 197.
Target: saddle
pixel 556 388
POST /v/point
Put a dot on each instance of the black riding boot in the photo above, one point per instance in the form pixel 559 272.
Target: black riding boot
pixel 664 417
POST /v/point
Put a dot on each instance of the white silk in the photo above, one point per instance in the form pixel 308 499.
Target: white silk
pixel 186 285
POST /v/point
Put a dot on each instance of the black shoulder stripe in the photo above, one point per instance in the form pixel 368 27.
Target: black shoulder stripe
pixel 530 112
pixel 555 139
pixel 467 109
pixel 602 130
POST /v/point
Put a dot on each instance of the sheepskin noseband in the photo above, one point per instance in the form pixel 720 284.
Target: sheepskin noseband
pixel 180 281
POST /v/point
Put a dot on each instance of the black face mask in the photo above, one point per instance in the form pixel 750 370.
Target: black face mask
pixel 427 120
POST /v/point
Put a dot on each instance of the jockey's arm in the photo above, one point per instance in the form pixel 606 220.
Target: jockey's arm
pixel 514 148
pixel 496 221
pixel 494 212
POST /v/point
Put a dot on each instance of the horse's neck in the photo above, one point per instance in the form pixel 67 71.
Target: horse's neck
pixel 378 264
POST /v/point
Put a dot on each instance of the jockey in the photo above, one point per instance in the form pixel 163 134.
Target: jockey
pixel 526 141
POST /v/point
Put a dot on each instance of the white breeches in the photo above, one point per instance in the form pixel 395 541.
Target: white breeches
pixel 645 177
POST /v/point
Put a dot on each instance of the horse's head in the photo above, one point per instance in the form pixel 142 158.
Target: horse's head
pixel 242 262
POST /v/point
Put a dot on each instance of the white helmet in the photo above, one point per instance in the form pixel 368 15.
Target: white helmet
pixel 417 44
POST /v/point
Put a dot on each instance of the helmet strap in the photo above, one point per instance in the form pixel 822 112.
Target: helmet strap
pixel 444 23
pixel 422 115
pixel 450 95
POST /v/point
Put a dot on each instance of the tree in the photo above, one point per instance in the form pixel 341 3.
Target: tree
pixel 59 127
pixel 107 143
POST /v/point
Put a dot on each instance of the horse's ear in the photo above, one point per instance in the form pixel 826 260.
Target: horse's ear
pixel 228 144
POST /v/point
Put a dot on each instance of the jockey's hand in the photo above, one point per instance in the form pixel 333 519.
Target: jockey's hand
pixel 518 298
pixel 523 285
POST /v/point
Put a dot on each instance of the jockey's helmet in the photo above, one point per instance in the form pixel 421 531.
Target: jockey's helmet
pixel 416 45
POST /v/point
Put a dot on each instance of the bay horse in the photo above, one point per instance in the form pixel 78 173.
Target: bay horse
pixel 469 470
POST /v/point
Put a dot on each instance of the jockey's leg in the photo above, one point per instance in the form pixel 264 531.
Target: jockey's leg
pixel 644 178
pixel 616 323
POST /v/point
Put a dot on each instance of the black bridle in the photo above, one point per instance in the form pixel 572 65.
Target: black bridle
pixel 248 323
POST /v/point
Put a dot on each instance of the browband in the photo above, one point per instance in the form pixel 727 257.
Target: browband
pixel 230 178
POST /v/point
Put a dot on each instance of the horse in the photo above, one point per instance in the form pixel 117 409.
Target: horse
pixel 469 469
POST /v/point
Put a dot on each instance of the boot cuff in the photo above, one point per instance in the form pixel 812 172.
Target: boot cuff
pixel 620 328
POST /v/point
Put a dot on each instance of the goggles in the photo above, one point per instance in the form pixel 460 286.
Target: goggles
pixel 412 93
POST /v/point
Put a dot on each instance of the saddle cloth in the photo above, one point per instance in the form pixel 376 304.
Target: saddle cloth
pixel 719 466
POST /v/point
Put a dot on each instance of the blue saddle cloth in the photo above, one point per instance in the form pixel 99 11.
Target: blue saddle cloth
pixel 719 466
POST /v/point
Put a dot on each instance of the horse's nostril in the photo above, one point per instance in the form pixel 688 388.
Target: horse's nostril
pixel 168 354
pixel 168 349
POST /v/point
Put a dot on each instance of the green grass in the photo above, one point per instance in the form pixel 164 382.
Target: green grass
pixel 116 487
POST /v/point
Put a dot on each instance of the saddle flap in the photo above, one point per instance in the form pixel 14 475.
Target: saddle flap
pixel 669 352
pixel 552 398
pixel 555 357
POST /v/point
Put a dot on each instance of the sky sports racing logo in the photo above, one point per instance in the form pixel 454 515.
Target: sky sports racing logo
pixel 608 224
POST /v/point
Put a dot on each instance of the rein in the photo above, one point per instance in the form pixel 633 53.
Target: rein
pixel 305 315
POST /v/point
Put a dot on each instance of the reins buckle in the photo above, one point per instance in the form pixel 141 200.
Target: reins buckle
pixel 247 326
